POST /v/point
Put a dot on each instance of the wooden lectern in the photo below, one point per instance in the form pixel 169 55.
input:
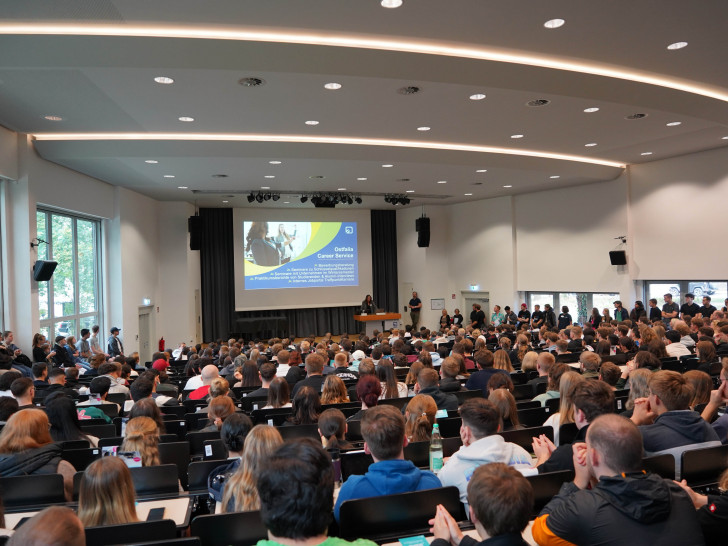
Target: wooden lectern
pixel 380 322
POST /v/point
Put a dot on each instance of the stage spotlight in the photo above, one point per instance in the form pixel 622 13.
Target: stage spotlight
pixel 259 198
pixel 267 196
pixel 276 197
pixel 358 200
pixel 251 198
pixel 304 198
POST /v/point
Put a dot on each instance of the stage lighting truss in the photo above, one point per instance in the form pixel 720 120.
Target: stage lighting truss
pixel 397 199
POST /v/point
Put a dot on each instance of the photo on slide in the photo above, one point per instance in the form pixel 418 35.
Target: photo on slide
pixel 274 243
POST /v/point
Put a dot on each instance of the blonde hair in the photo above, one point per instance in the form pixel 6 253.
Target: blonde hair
pixel 419 418
pixel 638 386
pixel 522 343
pixel 528 362
pixel 142 435
pixel 566 405
pixel 501 361
pixel 106 494
pixel 260 443
pixel 505 403
pixel 219 387
pixel 334 391
pixel 26 429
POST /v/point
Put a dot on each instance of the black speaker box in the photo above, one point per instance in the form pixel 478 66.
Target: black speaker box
pixel 422 225
pixel 194 226
pixel 618 257
pixel 43 271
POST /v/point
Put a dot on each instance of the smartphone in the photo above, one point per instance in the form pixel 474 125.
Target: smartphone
pixel 155 514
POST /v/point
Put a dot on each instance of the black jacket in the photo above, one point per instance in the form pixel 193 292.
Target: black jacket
pixel 41 460
pixel 443 400
pixel 675 429
pixel 562 457
pixel 450 384
pixel 636 508
pixel 479 379
pixel 713 519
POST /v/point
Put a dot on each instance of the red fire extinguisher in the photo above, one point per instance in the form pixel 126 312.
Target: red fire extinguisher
pixel 161 345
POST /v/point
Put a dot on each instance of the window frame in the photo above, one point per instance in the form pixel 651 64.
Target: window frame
pixel 50 322
pixel 557 301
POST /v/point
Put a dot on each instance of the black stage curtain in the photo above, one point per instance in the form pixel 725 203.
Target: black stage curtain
pixel 217 273
pixel 384 259
pixel 304 322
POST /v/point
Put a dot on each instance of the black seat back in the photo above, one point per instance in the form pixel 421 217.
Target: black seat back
pixel 450 427
pixel 238 528
pixel 704 466
pixel 198 472
pixel 107 535
pixel 662 465
pixel 354 462
pixel 392 516
pixel 154 481
pixel 197 441
pixel 81 458
pixel 178 454
pixel 545 486
pixel 299 431
pixel 524 437
pixel 32 490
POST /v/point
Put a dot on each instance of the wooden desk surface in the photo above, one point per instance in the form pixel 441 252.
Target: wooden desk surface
pixel 386 316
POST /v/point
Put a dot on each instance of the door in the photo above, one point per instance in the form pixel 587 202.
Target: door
pixel 483 298
pixel 145 334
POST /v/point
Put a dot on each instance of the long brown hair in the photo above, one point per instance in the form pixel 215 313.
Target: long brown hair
pixel 260 443
pixel 419 418
pixel 566 406
pixel 334 391
pixel 142 435
pixel 501 361
pixel 505 403
pixel 279 393
pixel 27 429
pixel 332 428
pixel 385 373
pixel 106 496
pixel 147 407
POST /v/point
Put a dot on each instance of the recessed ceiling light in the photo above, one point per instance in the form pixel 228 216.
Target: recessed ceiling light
pixel 361 178
pixel 591 110
pixel 226 201
pixel 423 128
pixel 442 181
pixel 151 161
pixel 391 3
pixel 312 122
pixel 164 80
pixel 265 187
pixel 516 136
pixel 554 177
pixel 677 45
pixel 477 96
pixel 186 118
pixel 274 162
pixel 724 138
pixel 269 176
pixel 53 118
pixel 410 191
pixel 181 187
pixel 508 186
pixel 674 123
pixel 467 194
pixel 168 176
pixel 646 153
pixel 341 189
pixel 387 165
pixel 482 171
pixel 332 85
pixel 286 202
pixel 590 144
pixel 554 23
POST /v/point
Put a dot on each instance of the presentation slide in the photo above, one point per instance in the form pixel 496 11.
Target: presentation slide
pixel 301 258
pixel 300 254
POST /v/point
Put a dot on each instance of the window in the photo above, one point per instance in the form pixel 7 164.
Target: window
pixel 717 291
pixel 580 304
pixel 71 300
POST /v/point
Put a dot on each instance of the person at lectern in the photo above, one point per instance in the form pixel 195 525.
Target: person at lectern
pixel 264 252
pixel 367 306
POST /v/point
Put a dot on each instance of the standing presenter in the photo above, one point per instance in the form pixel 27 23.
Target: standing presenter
pixel 367 306
pixel 415 304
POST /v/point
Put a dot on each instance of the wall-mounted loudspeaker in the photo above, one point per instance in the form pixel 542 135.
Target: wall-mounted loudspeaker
pixel 194 226
pixel 43 271
pixel 422 225
pixel 618 257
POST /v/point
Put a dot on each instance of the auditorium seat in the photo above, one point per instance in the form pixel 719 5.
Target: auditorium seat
pixel 545 486
pixel 34 490
pixel 238 528
pixel 198 472
pixel 299 431
pixel 524 437
pixel 108 535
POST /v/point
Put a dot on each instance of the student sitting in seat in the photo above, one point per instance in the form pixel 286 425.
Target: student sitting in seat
pixel 107 495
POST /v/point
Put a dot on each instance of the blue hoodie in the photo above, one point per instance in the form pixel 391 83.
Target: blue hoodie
pixel 386 478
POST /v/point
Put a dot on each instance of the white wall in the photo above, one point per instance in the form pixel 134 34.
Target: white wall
pixel 8 154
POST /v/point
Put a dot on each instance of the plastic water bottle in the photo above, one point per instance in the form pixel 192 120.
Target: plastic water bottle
pixel 436 449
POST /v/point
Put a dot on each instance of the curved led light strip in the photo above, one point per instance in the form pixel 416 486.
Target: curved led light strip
pixel 354 42
pixel 323 140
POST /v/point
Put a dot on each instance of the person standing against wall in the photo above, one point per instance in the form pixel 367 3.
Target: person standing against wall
pixel 415 305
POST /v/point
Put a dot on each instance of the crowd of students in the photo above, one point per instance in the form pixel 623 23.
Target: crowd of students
pixel 576 364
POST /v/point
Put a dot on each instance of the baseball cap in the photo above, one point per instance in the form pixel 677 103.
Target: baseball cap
pixel 114 329
pixel 160 364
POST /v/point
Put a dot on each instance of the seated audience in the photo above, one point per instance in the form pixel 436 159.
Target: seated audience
pixel 142 435
pixel 53 526
pixel 719 398
pixel 334 391
pixel 500 501
pixel 419 416
pixel 306 407
pixel 383 430
pixel 63 417
pixel 589 363
pixel 507 408
pixel 332 429
pixel 482 444
pixel 449 371
pixel 106 495
pixel 23 391
pixel 391 388
pixel 479 379
pixel 240 493
pixel 267 373
pixel 555 372
pixel 99 389
pixel 40 375
pixel 639 380
pixel 279 394
pixel 590 399
pixel 625 504
pixel 314 374
pixel 209 373
pixel 566 408
pixel 221 407
pixel 609 373
pixel 8 406
pixel 712 510
pixel 665 418
pixel 26 447
pixel 428 383
pixel 368 391
pixel 674 346
pixel 544 361
pixel 233 433
pixel 147 408
pixel 702 385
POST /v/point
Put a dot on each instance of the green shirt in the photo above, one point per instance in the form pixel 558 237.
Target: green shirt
pixel 91 412
pixel 331 541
